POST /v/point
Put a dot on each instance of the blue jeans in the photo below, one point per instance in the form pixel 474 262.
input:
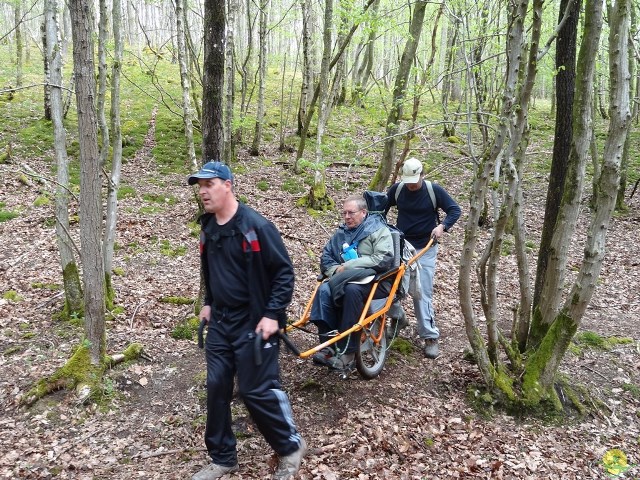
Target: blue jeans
pixel 425 315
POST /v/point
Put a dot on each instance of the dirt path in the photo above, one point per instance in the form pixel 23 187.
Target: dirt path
pixel 413 422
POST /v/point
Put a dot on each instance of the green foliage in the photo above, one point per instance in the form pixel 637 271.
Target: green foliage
pixel 631 388
pixel 292 185
pixel 194 229
pixel 263 185
pixel 149 210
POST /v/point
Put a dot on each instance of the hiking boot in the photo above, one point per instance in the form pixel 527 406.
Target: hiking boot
pixel 431 349
pixel 214 471
pixel 343 362
pixel 323 356
pixel 288 466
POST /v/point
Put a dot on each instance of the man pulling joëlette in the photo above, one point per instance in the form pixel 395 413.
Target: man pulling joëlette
pixel 248 277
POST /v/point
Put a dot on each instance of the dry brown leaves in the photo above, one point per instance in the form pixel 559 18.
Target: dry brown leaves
pixel 413 422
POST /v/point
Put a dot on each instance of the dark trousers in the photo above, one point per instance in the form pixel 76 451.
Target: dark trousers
pixel 329 317
pixel 230 351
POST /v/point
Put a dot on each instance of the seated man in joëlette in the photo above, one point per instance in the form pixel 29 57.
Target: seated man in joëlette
pixel 359 249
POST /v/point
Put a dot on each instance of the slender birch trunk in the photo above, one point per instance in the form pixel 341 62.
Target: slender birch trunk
pixel 185 82
pixel 103 30
pixel 229 144
pixel 17 13
pixel 116 159
pixel 70 273
pixel 262 77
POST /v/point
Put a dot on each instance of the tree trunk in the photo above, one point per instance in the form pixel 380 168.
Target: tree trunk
pixel 19 42
pixel 229 143
pixel 565 87
pixel 47 77
pixel 103 28
pixel 308 63
pixel 449 127
pixel 550 294
pixel 624 164
pixel 90 184
pixel 323 82
pixel 364 71
pixel 262 77
pixel 245 73
pixel 506 153
pixel 566 322
pixel 116 148
pixel 213 80
pixel 395 113
pixel 185 82
pixel 70 275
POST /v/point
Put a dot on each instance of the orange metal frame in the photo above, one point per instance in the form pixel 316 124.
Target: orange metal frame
pixel 365 320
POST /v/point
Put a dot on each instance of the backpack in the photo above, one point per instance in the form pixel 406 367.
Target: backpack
pixel 432 194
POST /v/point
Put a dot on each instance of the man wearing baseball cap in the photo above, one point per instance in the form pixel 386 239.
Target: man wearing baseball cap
pixel 248 279
pixel 418 218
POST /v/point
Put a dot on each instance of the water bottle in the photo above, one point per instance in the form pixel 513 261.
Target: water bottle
pixel 348 252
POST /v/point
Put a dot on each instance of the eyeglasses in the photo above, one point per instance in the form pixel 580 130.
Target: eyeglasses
pixel 348 213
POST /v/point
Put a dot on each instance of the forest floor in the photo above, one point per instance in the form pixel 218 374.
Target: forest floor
pixel 415 421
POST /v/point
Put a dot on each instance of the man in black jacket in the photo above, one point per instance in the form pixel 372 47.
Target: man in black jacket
pixel 249 278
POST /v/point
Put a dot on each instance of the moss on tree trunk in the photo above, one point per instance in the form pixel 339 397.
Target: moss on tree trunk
pixel 317 197
pixel 79 374
pixel 542 363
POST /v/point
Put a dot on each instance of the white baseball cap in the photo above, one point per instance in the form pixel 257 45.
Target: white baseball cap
pixel 411 170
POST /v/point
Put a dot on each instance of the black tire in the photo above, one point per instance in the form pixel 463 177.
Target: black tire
pixel 370 356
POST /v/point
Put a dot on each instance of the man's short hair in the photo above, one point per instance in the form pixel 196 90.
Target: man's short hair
pixel 358 200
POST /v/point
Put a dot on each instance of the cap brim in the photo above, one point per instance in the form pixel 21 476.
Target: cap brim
pixel 411 179
pixel 193 179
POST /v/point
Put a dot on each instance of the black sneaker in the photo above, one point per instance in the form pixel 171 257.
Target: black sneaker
pixel 323 356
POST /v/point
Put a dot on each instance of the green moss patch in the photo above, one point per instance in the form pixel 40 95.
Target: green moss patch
pixel 186 330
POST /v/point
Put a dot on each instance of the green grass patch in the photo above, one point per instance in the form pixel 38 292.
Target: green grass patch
pixel 263 185
pixel 402 346
pixel 41 201
pixel 151 210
